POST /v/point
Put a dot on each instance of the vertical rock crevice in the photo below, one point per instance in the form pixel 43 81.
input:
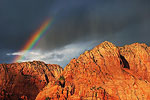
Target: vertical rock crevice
pixel 124 62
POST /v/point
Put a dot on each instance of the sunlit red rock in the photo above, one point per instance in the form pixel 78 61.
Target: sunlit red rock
pixel 138 57
pixel 106 72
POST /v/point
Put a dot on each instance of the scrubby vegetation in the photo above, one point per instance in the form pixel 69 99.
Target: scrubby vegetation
pixel 62 81
pixel 47 98
pixel 61 78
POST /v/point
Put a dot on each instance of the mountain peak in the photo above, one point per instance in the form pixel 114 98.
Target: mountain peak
pixel 106 72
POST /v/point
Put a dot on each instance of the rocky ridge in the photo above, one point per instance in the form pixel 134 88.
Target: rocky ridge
pixel 25 80
pixel 106 72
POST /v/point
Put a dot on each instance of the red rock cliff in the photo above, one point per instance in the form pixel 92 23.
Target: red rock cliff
pixel 106 72
pixel 26 80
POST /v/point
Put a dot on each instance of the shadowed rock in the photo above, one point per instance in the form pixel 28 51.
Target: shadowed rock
pixel 26 79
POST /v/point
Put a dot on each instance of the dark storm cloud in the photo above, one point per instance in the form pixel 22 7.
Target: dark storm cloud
pixel 119 21
pixel 3 57
pixel 75 20
pixel 19 19
pixel 98 19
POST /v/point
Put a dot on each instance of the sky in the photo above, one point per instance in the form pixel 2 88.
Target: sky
pixel 78 25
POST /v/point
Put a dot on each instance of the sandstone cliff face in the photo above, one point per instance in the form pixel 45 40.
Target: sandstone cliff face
pixel 26 80
pixel 106 72
pixel 138 58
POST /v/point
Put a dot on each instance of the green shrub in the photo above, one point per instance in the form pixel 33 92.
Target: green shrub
pixel 47 98
pixel 61 78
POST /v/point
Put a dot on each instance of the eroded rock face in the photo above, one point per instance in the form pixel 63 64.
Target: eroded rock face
pixel 138 57
pixel 106 72
pixel 26 80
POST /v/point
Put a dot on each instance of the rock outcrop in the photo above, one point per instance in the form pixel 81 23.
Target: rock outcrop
pixel 106 72
pixel 25 80
pixel 138 58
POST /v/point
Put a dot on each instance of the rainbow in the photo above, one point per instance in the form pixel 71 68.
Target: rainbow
pixel 34 39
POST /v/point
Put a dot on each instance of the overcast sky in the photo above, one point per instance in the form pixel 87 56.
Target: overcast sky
pixel 78 25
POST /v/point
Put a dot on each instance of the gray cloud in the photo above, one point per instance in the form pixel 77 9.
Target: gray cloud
pixel 60 56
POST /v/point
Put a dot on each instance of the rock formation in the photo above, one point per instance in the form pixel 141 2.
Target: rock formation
pixel 138 57
pixel 25 80
pixel 106 72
